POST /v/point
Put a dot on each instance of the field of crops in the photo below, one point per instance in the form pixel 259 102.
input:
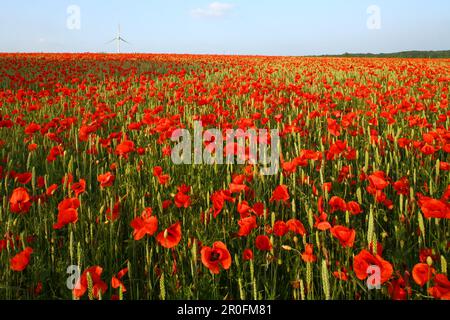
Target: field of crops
pixel 93 206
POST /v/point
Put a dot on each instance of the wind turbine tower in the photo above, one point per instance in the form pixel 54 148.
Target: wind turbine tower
pixel 118 39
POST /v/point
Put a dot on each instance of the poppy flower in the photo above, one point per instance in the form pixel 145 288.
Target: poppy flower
pixel 21 260
pixel 67 180
pixel 433 208
pixel 427 253
pixel 145 224
pixel 337 204
pixel 258 209
pixel 218 199
pixel 280 228
pixel 280 194
pixel 116 281
pixel 444 166
pixel 79 187
pixel 441 288
pixel 398 289
pixel 246 225
pixel 98 285
pixel 308 254
pixel 51 189
pixel 354 208
pixel 402 186
pixel 378 181
pixel 341 274
pixel 54 153
pixel 182 200
pixel 327 186
pixel 170 237
pixel 296 226
pixel 263 243
pixel 20 201
pixel 124 148
pixel 422 273
pixel 244 209
pixel 321 222
pixel 247 254
pixel 67 212
pixel 113 214
pixel 106 180
pixel 216 257
pixel 163 179
pixel 237 188
pixel 365 259
pixel 345 235
pixel 23 178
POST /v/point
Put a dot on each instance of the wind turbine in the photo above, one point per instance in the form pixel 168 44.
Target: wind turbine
pixel 118 39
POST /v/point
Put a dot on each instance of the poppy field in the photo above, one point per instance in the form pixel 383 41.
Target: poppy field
pixel 93 206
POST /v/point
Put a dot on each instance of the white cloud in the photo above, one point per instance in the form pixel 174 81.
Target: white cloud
pixel 215 9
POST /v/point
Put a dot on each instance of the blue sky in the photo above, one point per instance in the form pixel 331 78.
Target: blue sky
pixel 275 27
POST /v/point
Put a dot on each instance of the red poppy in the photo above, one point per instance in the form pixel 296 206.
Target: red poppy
pixel 170 237
pixel 216 257
pixel 337 204
pixel 378 181
pixel 263 243
pixel 182 200
pixel 246 225
pixel 145 224
pixel 433 208
pixel 79 187
pixel 218 199
pixel 422 273
pixel 163 179
pixel 54 152
pixel 247 254
pixel 51 190
pixel 321 222
pixel 345 235
pixel 20 201
pixel 441 288
pixel 98 285
pixel 24 178
pixel 116 281
pixel 21 260
pixel 327 186
pixel 296 226
pixel 280 194
pixel 426 253
pixel 308 255
pixel 244 209
pixel 113 214
pixel 67 212
pixel 398 289
pixel 365 259
pixel 280 228
pixel 354 208
pixel 124 148
pixel 259 209
pixel 237 188
pixel 341 274
pixel 106 180
pixel 402 186
pixel 444 166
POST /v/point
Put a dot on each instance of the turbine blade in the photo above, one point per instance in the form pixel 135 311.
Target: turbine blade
pixel 122 39
pixel 115 39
